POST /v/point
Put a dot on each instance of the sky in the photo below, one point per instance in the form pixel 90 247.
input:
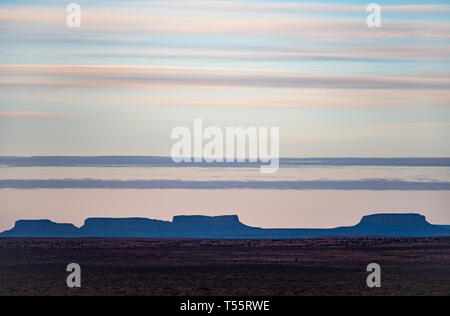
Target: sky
pixel 135 70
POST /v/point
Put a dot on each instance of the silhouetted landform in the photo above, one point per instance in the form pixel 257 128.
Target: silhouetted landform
pixel 42 228
pixel 224 227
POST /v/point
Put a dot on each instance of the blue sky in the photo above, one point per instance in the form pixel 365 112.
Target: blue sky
pixel 137 69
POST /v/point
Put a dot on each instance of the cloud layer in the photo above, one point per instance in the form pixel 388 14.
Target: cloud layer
pixel 246 62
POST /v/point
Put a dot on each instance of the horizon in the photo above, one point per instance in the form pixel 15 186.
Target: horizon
pixel 214 217
pixel 225 227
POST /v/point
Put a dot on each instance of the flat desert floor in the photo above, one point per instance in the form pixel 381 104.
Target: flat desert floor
pixel 413 266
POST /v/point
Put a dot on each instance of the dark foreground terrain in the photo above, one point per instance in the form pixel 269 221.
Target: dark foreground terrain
pixel 410 266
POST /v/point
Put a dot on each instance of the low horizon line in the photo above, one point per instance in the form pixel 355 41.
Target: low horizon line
pixel 390 213
pixel 208 224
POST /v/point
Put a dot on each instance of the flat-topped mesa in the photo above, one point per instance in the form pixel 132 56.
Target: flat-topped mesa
pixel 41 228
pixel 397 225
pixel 206 220
pixel 106 221
pixel 122 227
pixel 227 226
pixel 399 220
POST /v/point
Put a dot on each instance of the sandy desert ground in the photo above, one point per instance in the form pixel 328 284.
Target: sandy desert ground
pixel 225 267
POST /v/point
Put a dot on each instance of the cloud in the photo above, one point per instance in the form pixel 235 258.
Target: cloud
pixel 365 184
pixel 31 114
pixel 148 76
pixel 253 6
pixel 158 162
pixel 171 21
pixel 349 52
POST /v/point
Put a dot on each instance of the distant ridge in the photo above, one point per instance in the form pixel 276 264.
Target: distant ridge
pixel 42 228
pixel 224 227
